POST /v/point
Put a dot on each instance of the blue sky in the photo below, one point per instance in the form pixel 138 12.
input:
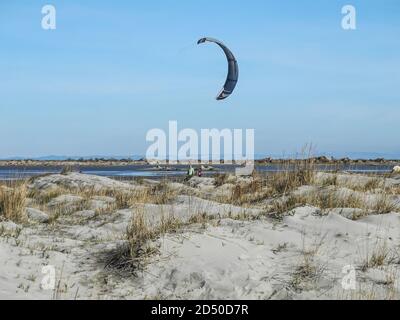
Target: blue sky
pixel 112 70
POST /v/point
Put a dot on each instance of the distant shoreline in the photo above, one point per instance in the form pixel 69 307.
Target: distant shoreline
pixel 126 162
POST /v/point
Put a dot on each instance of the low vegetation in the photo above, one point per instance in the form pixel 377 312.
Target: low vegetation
pixel 12 202
pixel 279 191
pixel 141 238
pixel 261 196
pixel 292 176
pixel 308 270
pixel 379 257
pixel 122 198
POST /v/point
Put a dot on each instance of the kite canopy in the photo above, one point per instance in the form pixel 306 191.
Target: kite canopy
pixel 233 69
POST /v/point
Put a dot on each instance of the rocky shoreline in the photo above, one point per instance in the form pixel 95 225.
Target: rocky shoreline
pixel 126 162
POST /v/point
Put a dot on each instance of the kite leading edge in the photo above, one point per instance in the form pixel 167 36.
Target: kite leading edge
pixel 233 69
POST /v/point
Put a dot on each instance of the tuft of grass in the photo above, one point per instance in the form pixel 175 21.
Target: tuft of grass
pixel 247 193
pixel 282 206
pixel 131 256
pixel 141 234
pixel 384 205
pixel 200 218
pixel 372 184
pixel 395 190
pixel 308 270
pixel 330 200
pixel 12 203
pixel 220 179
pixel 125 198
pixel 331 180
pixel 292 175
pixel 323 199
pixel 158 194
pixel 161 193
pixel 43 197
pixel 379 257
pixel 68 169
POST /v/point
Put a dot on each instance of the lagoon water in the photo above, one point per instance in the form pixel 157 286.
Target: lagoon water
pixel 18 173
pixel 15 173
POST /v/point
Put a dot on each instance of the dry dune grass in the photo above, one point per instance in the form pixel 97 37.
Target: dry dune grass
pixel 248 193
pixel 375 184
pixel 279 185
pixel 331 180
pixel 394 190
pixel 330 192
pixel 220 179
pixel 292 175
pixel 124 198
pixel 118 198
pixel 384 204
pixel 282 206
pixel 140 235
pixel 12 202
pixel 379 256
pixel 308 270
pixel 14 195
pixel 328 199
pixel 327 195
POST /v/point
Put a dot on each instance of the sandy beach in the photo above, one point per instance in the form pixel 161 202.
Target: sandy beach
pixel 288 235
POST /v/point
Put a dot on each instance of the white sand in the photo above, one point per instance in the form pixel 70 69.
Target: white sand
pixel 260 258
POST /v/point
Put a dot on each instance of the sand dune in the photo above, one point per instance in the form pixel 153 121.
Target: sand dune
pixel 200 245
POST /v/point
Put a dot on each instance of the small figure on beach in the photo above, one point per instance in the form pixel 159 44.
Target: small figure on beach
pixel 396 169
pixel 190 173
pixel 200 172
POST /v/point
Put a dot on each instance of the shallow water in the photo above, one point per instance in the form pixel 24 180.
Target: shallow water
pixel 16 173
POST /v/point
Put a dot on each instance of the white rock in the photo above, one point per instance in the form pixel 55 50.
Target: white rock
pixel 8 226
pixel 197 182
pixel 87 214
pixel 98 204
pixel 65 199
pixel 37 215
